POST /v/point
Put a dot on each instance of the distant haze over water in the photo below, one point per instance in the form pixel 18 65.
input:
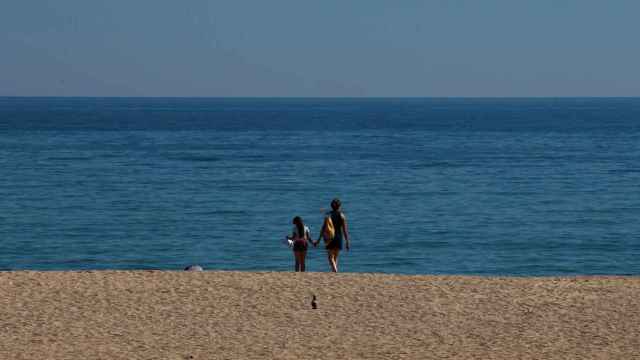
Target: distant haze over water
pixel 445 186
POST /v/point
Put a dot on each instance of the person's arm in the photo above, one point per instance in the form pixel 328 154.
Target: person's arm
pixel 321 232
pixel 346 232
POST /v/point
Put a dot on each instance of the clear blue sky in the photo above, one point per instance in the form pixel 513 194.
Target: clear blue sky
pixel 319 48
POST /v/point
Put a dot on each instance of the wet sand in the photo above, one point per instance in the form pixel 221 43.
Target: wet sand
pixel 242 315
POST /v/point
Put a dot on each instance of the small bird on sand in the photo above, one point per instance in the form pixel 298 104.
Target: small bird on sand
pixel 314 304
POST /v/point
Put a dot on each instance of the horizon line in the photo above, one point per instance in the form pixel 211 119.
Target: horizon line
pixel 315 97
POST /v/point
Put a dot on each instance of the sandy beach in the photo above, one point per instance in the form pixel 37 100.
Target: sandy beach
pixel 242 315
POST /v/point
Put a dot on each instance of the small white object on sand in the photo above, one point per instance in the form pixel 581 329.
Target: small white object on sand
pixel 193 268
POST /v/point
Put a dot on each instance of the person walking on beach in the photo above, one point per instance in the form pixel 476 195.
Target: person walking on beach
pixel 334 220
pixel 300 236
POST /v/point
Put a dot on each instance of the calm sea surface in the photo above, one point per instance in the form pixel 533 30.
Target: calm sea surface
pixel 429 186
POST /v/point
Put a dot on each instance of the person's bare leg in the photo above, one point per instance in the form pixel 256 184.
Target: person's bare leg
pixel 332 255
pixel 303 265
pixel 330 259
pixel 297 255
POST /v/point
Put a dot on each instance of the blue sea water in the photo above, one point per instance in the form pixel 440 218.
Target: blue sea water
pixel 429 186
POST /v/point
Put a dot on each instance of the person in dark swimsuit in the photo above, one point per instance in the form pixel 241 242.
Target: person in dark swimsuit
pixel 334 246
pixel 300 236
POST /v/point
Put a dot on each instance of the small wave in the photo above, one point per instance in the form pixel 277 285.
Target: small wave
pixel 252 158
pixel 194 158
pixel 624 171
pixel 222 212
pixel 79 261
pixel 433 164
pixel 69 158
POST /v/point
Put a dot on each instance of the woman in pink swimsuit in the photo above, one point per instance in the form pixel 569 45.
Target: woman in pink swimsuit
pixel 300 236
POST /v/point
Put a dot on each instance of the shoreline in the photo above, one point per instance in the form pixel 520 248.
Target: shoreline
pixel 168 314
pixel 288 271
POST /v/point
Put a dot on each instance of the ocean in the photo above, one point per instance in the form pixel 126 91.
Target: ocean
pixel 514 186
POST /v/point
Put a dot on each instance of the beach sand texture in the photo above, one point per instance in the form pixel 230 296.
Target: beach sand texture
pixel 242 315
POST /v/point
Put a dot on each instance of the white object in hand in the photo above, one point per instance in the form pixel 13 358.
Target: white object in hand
pixel 287 241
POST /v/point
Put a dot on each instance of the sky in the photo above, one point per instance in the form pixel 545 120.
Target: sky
pixel 328 48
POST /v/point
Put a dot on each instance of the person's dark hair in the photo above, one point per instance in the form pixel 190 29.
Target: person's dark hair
pixel 297 221
pixel 335 204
